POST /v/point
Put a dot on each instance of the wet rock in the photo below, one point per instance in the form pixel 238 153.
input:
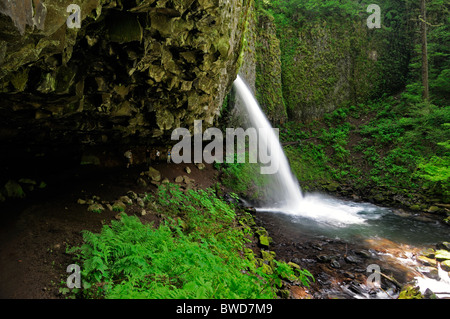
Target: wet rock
pixel 433 209
pixel 445 265
pixel 426 261
pixel 444 245
pixel 351 260
pixel 428 252
pixel 335 264
pixel 442 254
pixel 363 253
pixel 325 258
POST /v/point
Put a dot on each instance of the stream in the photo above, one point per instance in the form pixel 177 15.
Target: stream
pixel 335 227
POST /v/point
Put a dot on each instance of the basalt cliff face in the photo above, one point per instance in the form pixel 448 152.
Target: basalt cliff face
pixel 132 73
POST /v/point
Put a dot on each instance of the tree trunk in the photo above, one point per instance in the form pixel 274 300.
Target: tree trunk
pixel 424 50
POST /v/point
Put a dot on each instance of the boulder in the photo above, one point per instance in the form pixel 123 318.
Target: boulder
pixel 445 265
pixel 426 261
pixel 154 174
pixel 96 208
pixel 179 179
pixel 200 166
pixel 442 254
pixel 14 190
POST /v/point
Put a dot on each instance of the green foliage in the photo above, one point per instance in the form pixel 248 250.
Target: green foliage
pixel 196 252
pixel 244 178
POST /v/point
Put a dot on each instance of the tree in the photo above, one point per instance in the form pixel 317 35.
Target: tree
pixel 423 19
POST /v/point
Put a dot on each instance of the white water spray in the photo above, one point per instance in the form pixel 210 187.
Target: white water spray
pixel 284 186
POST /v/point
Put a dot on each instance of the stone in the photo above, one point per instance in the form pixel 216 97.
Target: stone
pixel 428 252
pixel 268 255
pixel 14 190
pixel 165 181
pixel 433 209
pixel 125 200
pixel 143 212
pixel 96 208
pixel 140 202
pixel 445 265
pixel 415 207
pixel 363 253
pixel 264 241
pixel 200 166
pixel 132 195
pixel 444 245
pixel 81 201
pixel 426 261
pixel 188 170
pixel 335 264
pixel 141 182
pixel 118 206
pixel 442 254
pixel 294 265
pixel 351 259
pixel 154 174
pixel 178 179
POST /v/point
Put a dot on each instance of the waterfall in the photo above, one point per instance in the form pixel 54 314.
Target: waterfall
pixel 285 192
pixel 284 185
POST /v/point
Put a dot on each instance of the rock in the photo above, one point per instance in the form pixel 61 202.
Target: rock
pixel 165 181
pixel 264 241
pixel 415 207
pixel 132 195
pixel 140 202
pixel 294 265
pixel 445 265
pixel 200 166
pixel 363 253
pixel 444 245
pixel 143 212
pixel 95 208
pixel 154 174
pixel 433 209
pixel 428 252
pixel 81 201
pixel 268 255
pixel 110 208
pixel 118 206
pixel 426 261
pixel 188 170
pixel 442 255
pixel 335 264
pixel 332 186
pixel 324 258
pixel 351 260
pixel 14 190
pixel 141 182
pixel 125 200
pixel 178 179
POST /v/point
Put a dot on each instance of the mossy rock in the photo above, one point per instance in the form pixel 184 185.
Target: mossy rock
pixel 268 255
pixel 14 190
pixel 264 241
pixel 410 292
pixel 96 208
pixel 442 254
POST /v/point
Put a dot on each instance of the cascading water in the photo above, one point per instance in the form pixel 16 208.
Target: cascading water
pixel 284 186
pixel 325 214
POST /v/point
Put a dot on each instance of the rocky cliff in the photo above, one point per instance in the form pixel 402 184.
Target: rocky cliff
pixel 133 72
